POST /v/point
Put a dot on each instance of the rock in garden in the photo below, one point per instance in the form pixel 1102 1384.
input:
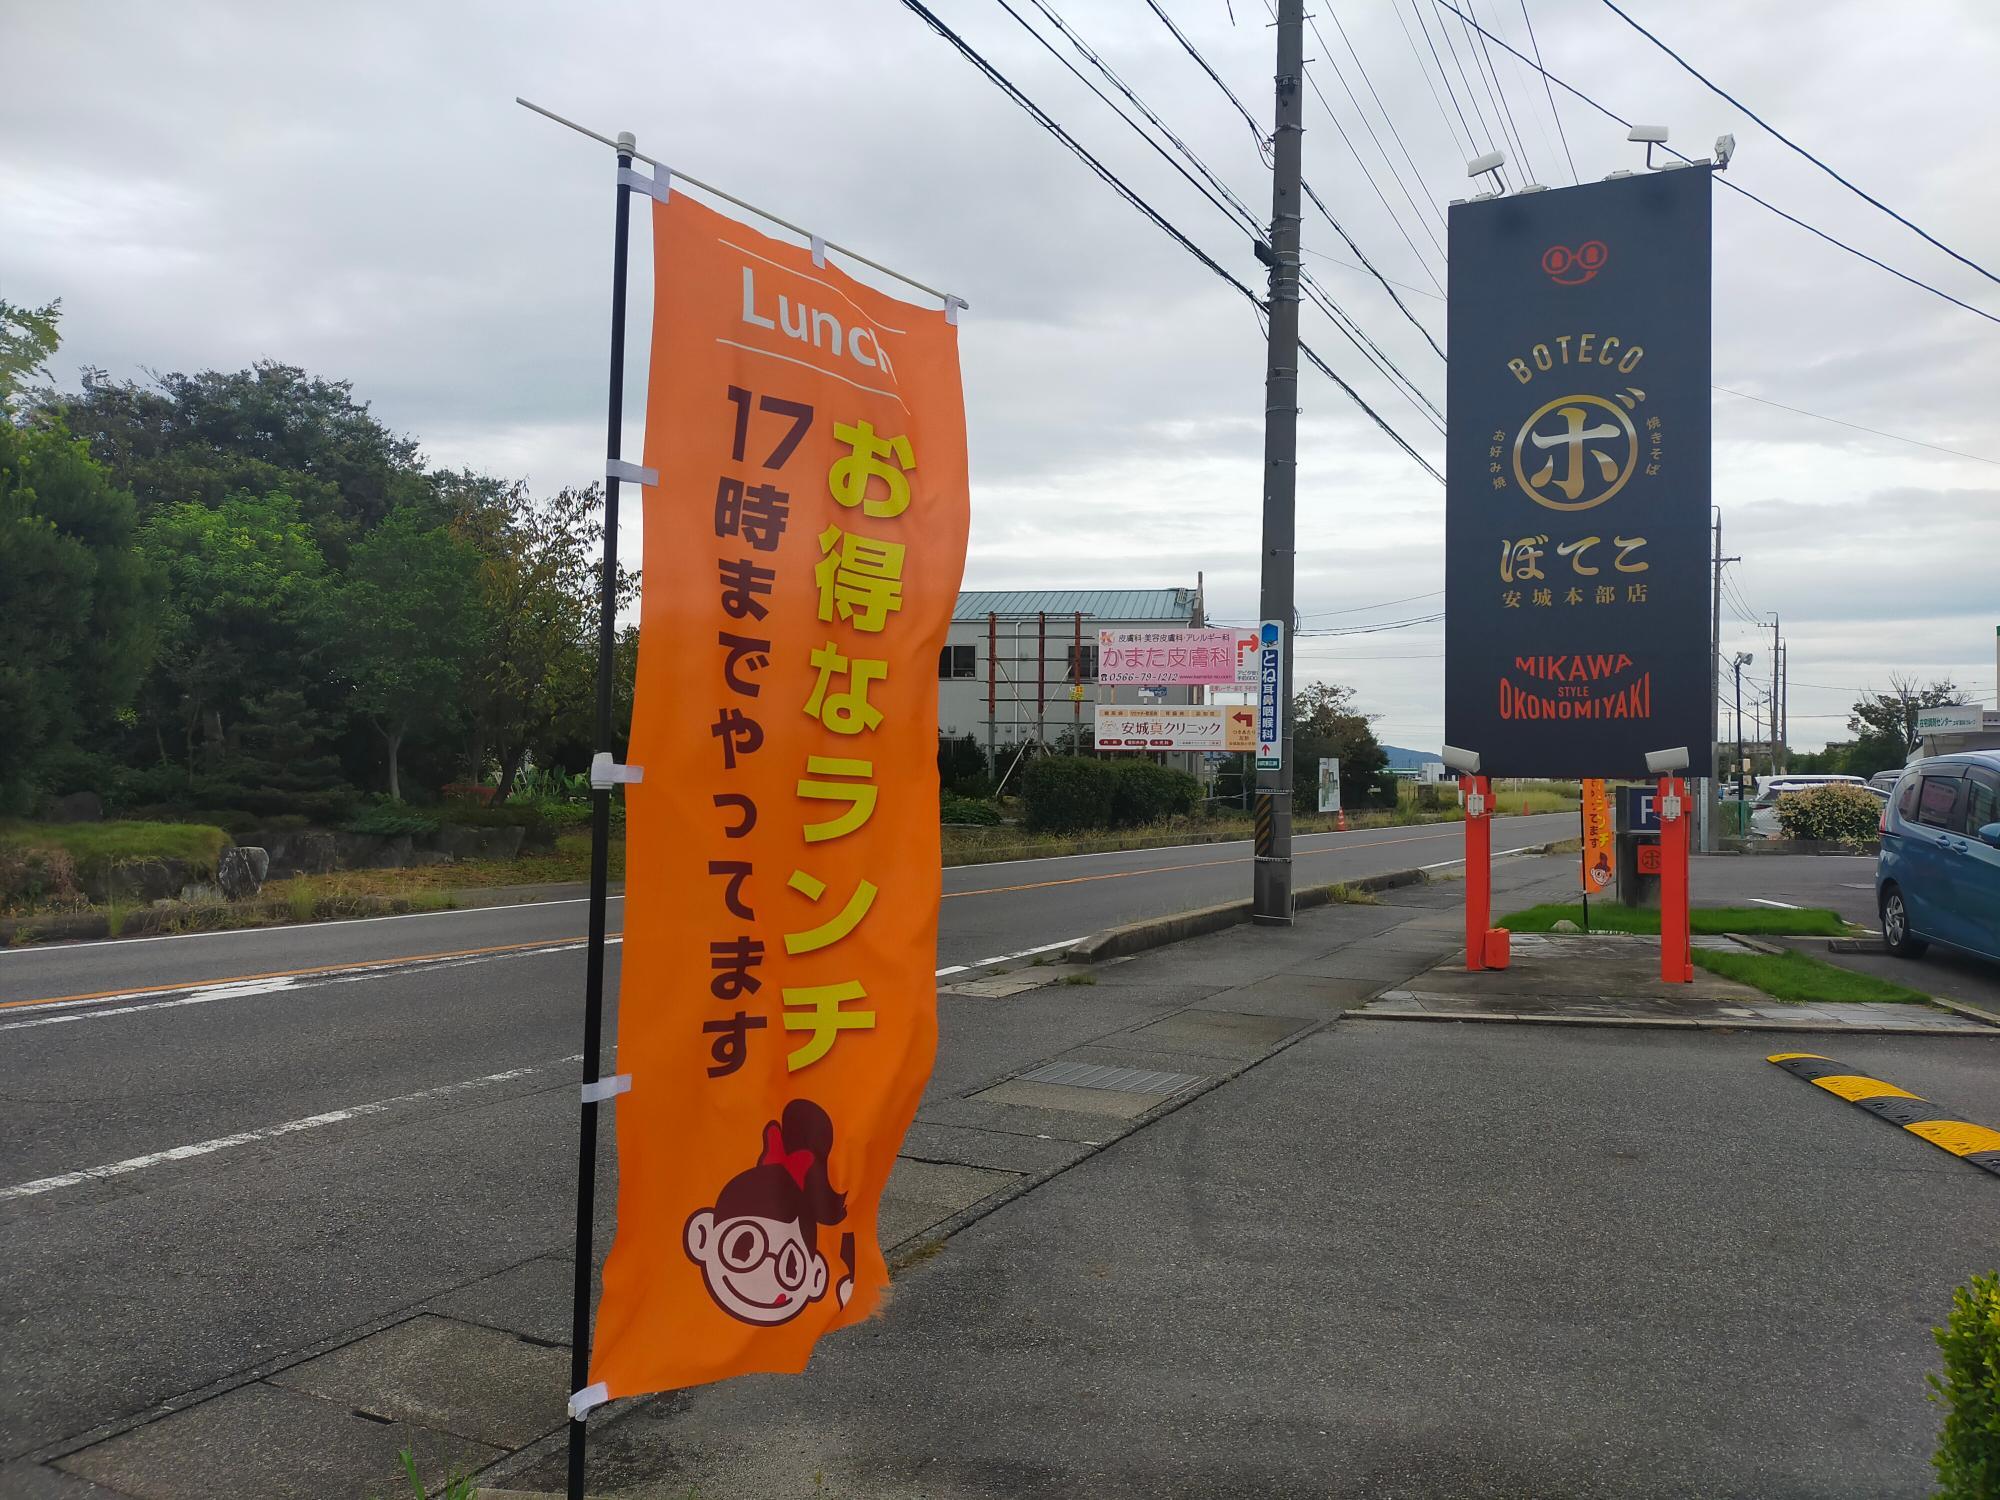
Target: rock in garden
pixel 241 870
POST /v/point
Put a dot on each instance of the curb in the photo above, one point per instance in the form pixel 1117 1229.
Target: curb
pixel 1670 1023
pixel 1157 932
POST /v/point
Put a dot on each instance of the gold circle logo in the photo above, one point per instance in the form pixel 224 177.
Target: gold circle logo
pixel 1575 452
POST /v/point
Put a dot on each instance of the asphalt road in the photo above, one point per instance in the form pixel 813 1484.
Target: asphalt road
pixel 219 1149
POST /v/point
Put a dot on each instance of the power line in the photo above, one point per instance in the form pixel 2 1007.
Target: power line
pixel 1358 608
pixel 1551 93
pixel 1353 266
pixel 1341 130
pixel 1743 191
pixel 1500 101
pixel 1387 118
pixel 1256 130
pixel 1425 75
pixel 1320 204
pixel 1387 160
pixel 1118 185
pixel 1787 140
pixel 1471 145
pixel 1452 47
pixel 1342 320
pixel 1840 422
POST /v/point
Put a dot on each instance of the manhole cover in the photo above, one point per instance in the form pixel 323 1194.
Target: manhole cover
pixel 1117 1080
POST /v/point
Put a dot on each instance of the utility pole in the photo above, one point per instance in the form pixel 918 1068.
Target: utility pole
pixel 1775 649
pixel 1710 790
pixel 1272 879
pixel 1742 826
pixel 1784 708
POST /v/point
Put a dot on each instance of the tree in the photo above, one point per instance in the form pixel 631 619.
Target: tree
pixel 75 629
pixel 245 583
pixel 1324 723
pixel 1885 724
pixel 404 623
pixel 534 679
pixel 28 341
pixel 270 428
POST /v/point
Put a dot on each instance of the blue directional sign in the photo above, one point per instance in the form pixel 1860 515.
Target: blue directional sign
pixel 1270 695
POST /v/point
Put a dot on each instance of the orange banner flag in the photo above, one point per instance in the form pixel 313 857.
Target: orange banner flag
pixel 777 1008
pixel 1598 853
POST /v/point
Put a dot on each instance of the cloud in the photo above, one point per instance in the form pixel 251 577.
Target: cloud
pixel 352 189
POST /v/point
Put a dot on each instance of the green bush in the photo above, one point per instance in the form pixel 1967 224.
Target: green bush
pixel 1143 792
pixel 1838 810
pixel 1968 1451
pixel 392 820
pixel 1067 793
pixel 967 810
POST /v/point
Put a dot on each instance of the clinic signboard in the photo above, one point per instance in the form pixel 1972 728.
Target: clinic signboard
pixel 1577 476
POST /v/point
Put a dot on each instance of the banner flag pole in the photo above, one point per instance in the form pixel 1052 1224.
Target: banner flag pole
pixel 600 845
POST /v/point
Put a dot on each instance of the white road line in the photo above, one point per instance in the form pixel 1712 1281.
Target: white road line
pixel 172 997
pixel 1781 905
pixel 270 1132
pixel 100 1006
pixel 401 916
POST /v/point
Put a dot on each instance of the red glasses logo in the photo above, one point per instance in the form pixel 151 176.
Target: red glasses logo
pixel 1567 267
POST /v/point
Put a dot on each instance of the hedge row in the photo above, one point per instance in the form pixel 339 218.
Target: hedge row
pixel 1068 793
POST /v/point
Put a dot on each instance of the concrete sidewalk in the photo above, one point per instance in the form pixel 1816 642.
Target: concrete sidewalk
pixel 1400 1261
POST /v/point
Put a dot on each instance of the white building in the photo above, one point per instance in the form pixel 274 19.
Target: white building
pixel 1021 665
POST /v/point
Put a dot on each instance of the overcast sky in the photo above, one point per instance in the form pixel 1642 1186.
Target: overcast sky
pixel 351 188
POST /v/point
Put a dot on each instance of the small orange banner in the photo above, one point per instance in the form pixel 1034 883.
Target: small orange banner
pixel 1599 854
pixel 777 1007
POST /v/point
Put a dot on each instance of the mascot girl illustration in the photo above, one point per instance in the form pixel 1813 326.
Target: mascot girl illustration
pixel 758 1247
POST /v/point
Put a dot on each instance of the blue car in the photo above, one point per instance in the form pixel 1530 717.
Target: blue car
pixel 1937 879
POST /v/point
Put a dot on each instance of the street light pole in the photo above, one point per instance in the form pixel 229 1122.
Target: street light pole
pixel 1271 887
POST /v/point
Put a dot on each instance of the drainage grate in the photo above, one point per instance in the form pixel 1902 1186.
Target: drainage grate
pixel 1116 1080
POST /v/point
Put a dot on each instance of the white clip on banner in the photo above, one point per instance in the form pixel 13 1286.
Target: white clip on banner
pixel 951 306
pixel 656 187
pixel 605 1088
pixel 819 251
pixel 590 1397
pixel 618 468
pixel 606 772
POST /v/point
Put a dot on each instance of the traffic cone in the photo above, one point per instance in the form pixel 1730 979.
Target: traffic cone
pixel 1343 820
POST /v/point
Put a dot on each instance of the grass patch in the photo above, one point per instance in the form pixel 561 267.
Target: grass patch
pixel 119 842
pixel 568 862
pixel 1793 976
pixel 1351 895
pixel 1608 916
pixel 1077 979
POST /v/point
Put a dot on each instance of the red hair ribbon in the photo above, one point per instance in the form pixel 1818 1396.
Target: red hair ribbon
pixel 798 1163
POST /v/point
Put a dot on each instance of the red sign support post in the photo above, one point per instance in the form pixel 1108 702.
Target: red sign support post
pixel 1676 962
pixel 1486 946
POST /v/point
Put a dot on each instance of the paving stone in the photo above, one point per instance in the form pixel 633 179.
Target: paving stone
pixel 923 1193
pixel 531 1298
pixel 1000 1150
pixel 456 1377
pixel 259 1440
pixel 1218 1032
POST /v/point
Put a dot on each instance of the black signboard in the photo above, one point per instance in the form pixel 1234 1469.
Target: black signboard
pixel 1577 477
